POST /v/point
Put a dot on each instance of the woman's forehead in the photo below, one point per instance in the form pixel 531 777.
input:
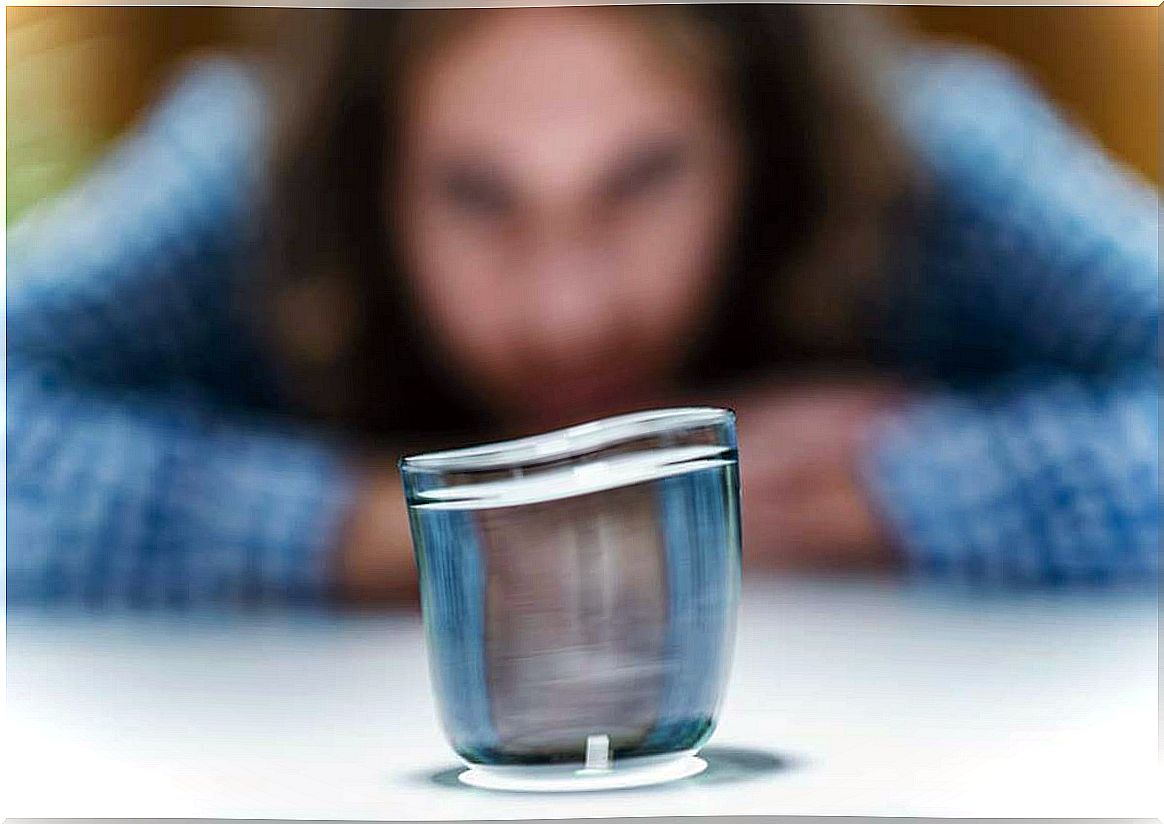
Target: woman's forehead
pixel 576 79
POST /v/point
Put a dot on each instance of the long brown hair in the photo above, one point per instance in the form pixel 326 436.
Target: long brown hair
pixel 825 172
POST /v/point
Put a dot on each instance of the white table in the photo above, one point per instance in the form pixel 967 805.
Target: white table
pixel 855 698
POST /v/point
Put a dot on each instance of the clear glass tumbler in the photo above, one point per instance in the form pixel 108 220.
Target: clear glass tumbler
pixel 580 591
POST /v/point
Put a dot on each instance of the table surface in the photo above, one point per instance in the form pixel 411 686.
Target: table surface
pixel 857 698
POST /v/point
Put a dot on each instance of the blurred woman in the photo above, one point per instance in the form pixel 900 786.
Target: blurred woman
pixel 933 304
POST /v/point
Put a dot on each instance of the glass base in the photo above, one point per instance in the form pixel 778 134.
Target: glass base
pixel 635 772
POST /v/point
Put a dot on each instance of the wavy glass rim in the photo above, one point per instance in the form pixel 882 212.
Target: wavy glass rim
pixel 570 442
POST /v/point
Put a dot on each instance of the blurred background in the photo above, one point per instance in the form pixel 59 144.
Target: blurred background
pixel 77 76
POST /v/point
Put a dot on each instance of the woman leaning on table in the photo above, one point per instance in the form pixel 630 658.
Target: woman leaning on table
pixel 932 302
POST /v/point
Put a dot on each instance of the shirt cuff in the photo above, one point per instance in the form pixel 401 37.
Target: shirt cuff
pixel 1045 486
pixel 257 516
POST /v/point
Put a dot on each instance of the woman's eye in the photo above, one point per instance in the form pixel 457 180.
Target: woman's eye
pixel 650 170
pixel 476 194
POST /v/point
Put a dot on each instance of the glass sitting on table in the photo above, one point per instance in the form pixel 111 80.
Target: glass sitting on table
pixel 579 591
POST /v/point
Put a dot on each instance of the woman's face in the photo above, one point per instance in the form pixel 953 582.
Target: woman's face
pixel 564 199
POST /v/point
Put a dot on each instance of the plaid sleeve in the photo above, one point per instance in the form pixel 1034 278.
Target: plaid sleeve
pixel 120 498
pixel 1035 302
pixel 1034 246
pixel 127 479
pixel 1045 481
pixel 129 277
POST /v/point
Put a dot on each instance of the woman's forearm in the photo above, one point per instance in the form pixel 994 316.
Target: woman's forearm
pixel 119 497
pixel 1042 481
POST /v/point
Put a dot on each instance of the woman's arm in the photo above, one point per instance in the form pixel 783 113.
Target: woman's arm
pixel 139 498
pixel 150 498
pixel 1040 480
pixel 131 475
pixel 1032 248
pixel 1035 299
pixel 132 277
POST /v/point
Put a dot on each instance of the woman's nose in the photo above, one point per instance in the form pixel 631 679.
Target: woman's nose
pixel 574 300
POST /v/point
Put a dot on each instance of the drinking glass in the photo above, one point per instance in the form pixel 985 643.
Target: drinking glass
pixel 579 591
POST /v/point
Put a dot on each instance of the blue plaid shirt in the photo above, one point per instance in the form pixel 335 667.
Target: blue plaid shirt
pixel 149 462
